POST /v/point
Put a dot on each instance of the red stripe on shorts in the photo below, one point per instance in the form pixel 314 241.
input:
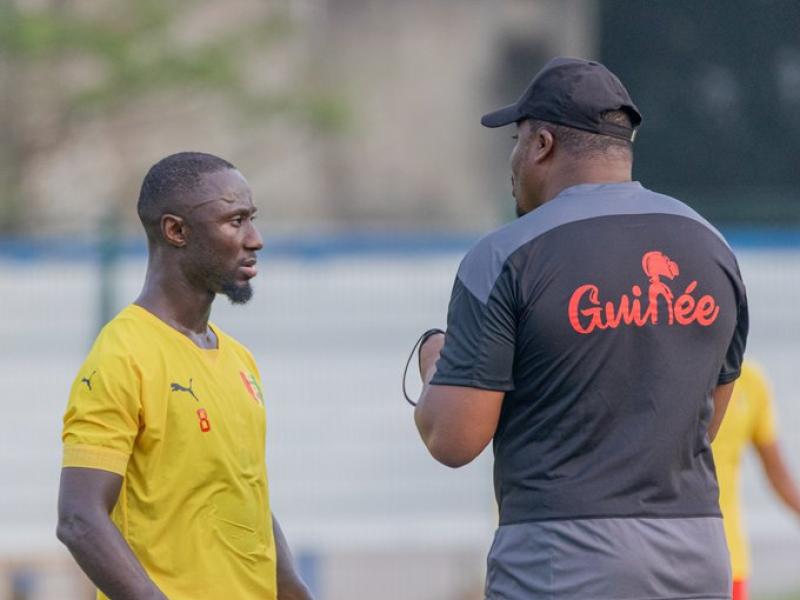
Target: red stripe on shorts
pixel 739 590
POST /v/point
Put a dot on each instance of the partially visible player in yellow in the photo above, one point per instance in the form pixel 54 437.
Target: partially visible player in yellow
pixel 164 483
pixel 749 420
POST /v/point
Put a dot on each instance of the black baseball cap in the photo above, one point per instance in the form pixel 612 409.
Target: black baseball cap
pixel 575 93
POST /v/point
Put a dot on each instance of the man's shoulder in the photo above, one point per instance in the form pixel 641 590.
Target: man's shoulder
pixel 130 334
pixel 124 327
pixel 573 204
pixel 226 338
pixel 484 261
pixel 232 344
pixel 663 203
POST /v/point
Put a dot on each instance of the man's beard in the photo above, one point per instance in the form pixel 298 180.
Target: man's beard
pixel 217 279
pixel 237 294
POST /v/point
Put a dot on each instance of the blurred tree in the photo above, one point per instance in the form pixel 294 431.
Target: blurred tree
pixel 65 62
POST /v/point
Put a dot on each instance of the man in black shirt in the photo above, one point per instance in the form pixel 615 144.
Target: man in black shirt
pixel 596 340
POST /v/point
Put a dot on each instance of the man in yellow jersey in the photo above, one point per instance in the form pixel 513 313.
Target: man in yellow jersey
pixel 750 419
pixel 164 484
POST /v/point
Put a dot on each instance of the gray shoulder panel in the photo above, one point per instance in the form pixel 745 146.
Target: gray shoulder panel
pixel 484 262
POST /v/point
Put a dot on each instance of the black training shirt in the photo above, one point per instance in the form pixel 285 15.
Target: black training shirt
pixel 608 316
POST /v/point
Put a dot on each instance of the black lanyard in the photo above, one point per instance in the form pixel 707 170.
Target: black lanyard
pixel 419 343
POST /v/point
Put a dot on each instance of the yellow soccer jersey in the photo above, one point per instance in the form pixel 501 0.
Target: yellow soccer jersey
pixel 186 429
pixel 749 420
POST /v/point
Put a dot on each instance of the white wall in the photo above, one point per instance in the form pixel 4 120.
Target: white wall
pixel 348 474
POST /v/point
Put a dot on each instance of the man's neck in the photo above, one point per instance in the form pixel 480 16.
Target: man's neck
pixel 171 298
pixel 586 172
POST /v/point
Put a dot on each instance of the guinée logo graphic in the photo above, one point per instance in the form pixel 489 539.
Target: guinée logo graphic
pixel 88 380
pixel 586 312
pixel 252 387
pixel 177 387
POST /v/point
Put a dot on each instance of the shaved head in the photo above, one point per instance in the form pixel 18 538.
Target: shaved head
pixel 170 185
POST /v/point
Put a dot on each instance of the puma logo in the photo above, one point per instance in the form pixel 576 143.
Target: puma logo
pixel 88 380
pixel 177 387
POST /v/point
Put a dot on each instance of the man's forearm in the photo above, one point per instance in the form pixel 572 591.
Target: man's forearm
pixel 788 492
pixel 429 353
pixel 779 477
pixel 105 557
pixel 290 586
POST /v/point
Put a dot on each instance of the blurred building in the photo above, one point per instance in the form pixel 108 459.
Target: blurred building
pixel 356 115
pixel 342 113
pixel 364 113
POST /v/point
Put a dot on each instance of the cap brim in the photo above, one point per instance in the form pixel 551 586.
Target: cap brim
pixel 501 117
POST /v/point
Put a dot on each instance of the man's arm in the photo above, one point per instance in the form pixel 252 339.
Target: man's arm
pixel 85 500
pixel 722 395
pixel 290 586
pixel 779 476
pixel 455 423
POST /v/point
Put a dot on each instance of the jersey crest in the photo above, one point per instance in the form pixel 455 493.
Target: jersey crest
pixel 252 387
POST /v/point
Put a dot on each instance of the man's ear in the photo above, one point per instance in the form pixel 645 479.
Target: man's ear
pixel 543 144
pixel 174 230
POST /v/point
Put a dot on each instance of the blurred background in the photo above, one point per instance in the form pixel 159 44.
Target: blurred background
pixel 357 125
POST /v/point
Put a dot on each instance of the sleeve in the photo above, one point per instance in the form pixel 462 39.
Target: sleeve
pixel 764 428
pixel 103 414
pixel 481 337
pixel 732 364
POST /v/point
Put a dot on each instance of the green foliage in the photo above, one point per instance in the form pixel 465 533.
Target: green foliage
pixel 137 54
pixel 133 50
